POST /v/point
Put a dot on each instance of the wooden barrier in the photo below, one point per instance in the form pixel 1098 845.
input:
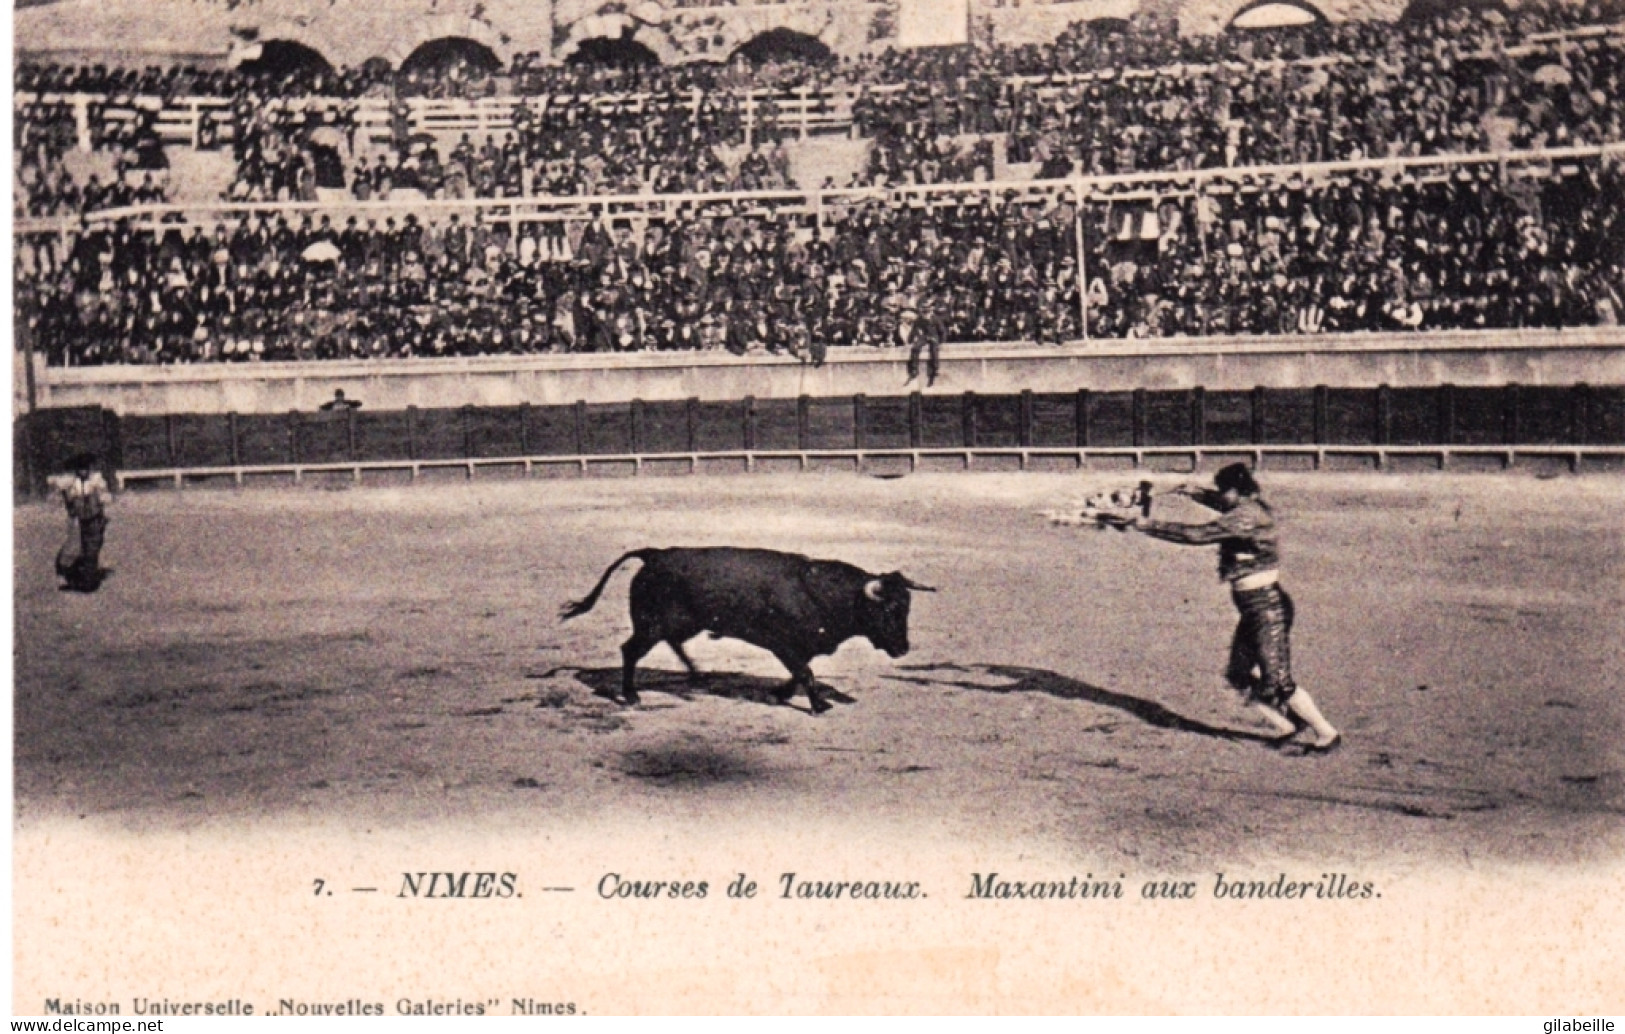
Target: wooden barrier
pixel 1578 423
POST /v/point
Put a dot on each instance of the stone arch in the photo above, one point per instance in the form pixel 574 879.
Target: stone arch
pixel 477 54
pixel 718 33
pixel 281 53
pixel 616 25
pixel 308 37
pixel 1213 16
pixel 786 41
pixel 427 30
pixel 1422 10
pixel 809 21
pixel 1108 25
pixel 613 51
pixel 1261 7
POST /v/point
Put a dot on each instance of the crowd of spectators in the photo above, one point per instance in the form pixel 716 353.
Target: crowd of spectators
pixel 710 277
pixel 1175 118
pixel 1474 246
pixel 173 82
pixel 913 154
pixel 1180 118
pixel 572 146
pixel 43 135
pixel 286 152
pixel 1419 103
pixel 1149 41
pixel 50 190
pixel 1361 252
pixel 1134 96
pixel 665 143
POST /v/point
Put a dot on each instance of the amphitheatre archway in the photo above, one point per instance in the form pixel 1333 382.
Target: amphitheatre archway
pixel 1273 14
pixel 617 52
pixel 783 44
pixel 1213 16
pixel 1107 26
pixel 282 57
pixel 420 33
pixel 613 52
pixel 616 38
pixel 1422 10
pixel 448 51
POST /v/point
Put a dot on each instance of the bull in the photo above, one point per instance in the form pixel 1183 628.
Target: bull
pixel 794 607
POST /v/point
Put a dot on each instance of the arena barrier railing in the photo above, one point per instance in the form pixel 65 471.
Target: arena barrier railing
pixel 1167 459
pixel 1572 428
pixel 1101 189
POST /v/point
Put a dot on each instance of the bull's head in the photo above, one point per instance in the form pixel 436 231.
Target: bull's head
pixel 885 614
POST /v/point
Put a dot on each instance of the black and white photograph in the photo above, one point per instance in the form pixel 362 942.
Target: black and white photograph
pixel 569 508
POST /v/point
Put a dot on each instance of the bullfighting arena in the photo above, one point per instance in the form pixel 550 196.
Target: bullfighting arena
pixel 346 684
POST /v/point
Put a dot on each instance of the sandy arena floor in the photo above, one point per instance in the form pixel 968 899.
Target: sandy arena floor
pixel 393 657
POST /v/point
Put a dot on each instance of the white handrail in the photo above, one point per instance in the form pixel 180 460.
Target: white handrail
pixel 1097 188
pixel 1575 455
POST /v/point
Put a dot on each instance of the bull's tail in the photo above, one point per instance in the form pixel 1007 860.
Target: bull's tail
pixel 576 608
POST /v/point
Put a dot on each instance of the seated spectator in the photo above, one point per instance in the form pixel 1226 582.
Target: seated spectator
pixel 339 404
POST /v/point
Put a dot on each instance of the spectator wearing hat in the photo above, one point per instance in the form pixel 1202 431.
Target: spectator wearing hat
pixel 919 332
pixel 339 403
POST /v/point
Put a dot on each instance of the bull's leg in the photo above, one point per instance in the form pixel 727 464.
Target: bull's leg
pixel 801 678
pixel 633 651
pixel 815 694
pixel 785 692
pixel 682 655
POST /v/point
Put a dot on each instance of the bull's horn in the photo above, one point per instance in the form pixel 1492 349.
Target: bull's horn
pixel 916 586
pixel 871 589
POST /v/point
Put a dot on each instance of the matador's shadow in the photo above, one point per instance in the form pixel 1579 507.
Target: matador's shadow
pixel 755 689
pixel 1014 679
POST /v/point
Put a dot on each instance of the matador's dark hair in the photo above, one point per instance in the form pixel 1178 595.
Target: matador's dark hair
pixel 1236 476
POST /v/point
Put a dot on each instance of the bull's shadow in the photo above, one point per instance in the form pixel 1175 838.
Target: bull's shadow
pixel 82 581
pixel 606 682
pixel 1017 679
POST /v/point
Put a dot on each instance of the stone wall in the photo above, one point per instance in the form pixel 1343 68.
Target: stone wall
pixel 1202 17
pixel 688 33
pixel 1041 23
pixel 1595 356
pixel 349 33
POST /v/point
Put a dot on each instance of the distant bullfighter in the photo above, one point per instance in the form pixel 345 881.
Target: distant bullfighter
pixel 793 606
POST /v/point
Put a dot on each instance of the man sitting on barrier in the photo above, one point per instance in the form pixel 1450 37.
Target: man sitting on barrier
pixel 919 333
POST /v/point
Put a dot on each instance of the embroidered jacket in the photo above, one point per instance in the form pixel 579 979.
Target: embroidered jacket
pixel 84 498
pixel 1246 537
